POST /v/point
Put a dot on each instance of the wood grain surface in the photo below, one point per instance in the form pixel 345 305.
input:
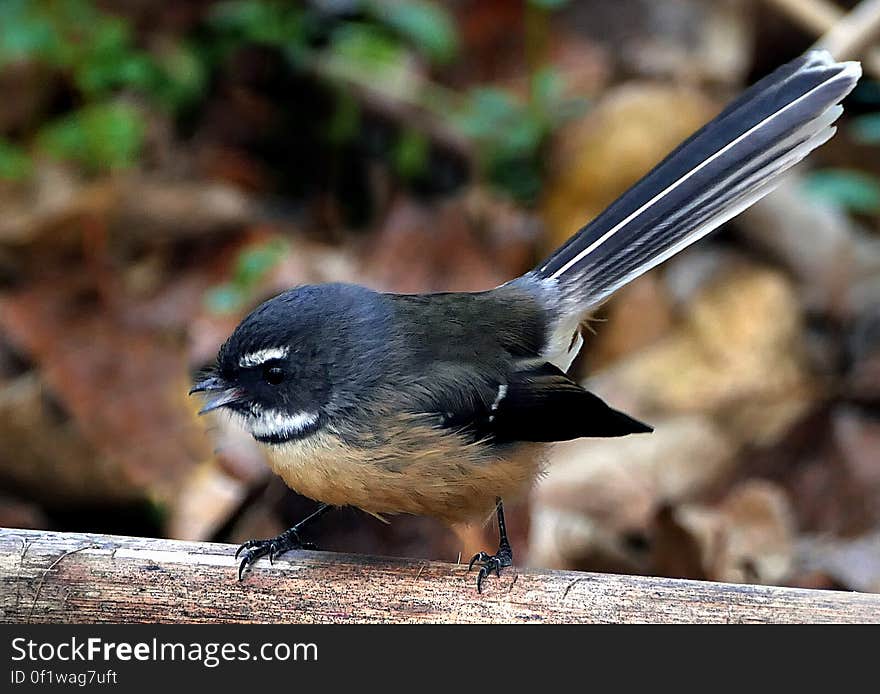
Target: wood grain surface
pixel 73 578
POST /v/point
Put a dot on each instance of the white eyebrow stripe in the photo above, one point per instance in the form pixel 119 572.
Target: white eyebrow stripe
pixel 277 423
pixel 262 356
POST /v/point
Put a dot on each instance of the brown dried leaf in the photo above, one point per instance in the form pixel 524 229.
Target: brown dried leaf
pixel 465 244
pixel 600 496
pixel 15 513
pixel 207 498
pixel 738 353
pixel 747 538
pixel 123 383
pixel 43 453
pixel 597 158
pixel 637 316
pixel 828 462
pixel 853 564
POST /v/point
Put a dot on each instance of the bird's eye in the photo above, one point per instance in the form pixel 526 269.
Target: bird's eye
pixel 273 375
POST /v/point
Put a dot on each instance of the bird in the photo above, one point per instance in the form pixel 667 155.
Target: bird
pixel 445 404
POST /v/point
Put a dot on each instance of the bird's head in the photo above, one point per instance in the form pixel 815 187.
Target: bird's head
pixel 289 363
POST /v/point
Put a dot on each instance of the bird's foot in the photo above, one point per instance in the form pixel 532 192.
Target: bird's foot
pixel 274 548
pixel 491 562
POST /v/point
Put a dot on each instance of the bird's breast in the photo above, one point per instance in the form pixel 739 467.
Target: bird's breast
pixel 411 467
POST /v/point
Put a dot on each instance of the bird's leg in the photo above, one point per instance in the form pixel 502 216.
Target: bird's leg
pixel 276 546
pixel 494 562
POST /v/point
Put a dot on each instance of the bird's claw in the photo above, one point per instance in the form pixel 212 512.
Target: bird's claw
pixel 247 545
pixel 489 563
pixel 273 548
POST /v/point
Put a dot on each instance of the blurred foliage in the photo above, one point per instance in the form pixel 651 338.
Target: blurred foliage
pixel 251 267
pixel 96 52
pixel 15 164
pixel 369 44
pixel 853 190
pixel 411 155
pixel 104 135
pixel 865 130
pixel 424 25
pixel 548 4
pixel 375 30
pixel 510 134
pixel 371 47
pixel 72 35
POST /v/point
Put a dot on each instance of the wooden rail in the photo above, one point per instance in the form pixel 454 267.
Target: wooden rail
pixel 72 577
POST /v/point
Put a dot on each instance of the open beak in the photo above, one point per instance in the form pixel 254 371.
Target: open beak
pixel 213 384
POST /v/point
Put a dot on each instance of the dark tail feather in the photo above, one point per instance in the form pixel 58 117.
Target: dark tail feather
pixel 722 169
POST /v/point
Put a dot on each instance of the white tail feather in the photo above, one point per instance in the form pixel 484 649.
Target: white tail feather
pixel 852 71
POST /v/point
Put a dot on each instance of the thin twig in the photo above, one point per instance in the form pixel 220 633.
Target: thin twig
pixel 46 573
pixel 844 35
pixel 816 16
pixel 852 35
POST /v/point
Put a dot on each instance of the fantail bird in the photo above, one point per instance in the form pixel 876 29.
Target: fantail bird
pixel 443 404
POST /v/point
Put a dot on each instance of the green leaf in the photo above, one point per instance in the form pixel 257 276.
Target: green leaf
pixel 548 101
pixel 426 26
pixel 866 129
pixel 411 154
pixel 99 137
pixel 251 266
pixel 15 164
pixel 548 4
pixel 519 177
pixel 224 298
pixel 345 121
pixel 509 134
pixel 546 87
pixel 485 112
pixel 367 47
pixel 26 34
pixel 258 21
pixel 522 138
pixel 255 262
pixel 184 76
pixel 853 190
pixel 99 75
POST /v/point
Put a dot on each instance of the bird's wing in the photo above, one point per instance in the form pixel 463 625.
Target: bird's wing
pixel 535 402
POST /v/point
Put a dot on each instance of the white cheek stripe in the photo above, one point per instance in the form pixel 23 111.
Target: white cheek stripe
pixel 262 356
pixel 276 423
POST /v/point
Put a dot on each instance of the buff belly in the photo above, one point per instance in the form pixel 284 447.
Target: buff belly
pixel 420 470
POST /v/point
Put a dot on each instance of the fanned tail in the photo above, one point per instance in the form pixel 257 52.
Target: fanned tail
pixel 722 169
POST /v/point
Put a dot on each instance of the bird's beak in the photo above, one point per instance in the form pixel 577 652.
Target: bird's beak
pixel 214 384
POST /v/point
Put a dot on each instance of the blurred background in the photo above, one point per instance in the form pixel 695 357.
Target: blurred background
pixel 165 166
